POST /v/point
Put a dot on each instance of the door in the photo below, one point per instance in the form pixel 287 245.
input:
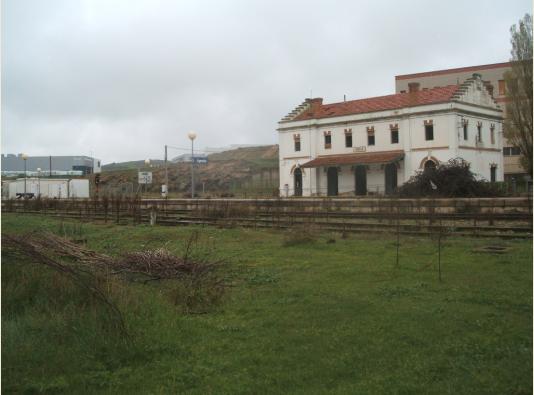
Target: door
pixel 361 180
pixel 391 178
pixel 493 174
pixel 332 181
pixel 297 174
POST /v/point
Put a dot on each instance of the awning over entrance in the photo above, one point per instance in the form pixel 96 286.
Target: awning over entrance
pixel 363 158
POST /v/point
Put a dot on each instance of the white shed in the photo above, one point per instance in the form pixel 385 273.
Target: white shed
pixel 50 188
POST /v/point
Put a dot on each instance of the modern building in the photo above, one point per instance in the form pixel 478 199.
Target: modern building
pixel 373 145
pixel 493 77
pixel 49 164
pixel 197 158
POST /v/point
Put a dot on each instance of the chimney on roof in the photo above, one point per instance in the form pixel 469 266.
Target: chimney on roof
pixel 315 103
pixel 413 87
pixel 489 87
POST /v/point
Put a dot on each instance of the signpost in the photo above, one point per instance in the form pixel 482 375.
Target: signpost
pixel 145 177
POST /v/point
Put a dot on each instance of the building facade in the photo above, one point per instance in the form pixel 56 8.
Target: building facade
pixel 371 146
pixel 49 164
pixel 493 77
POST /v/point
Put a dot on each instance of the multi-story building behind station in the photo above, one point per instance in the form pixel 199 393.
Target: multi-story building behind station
pixel 493 77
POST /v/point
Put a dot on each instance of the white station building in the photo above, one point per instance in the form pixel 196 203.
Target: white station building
pixel 371 146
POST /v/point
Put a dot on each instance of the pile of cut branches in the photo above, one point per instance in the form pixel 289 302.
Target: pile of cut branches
pixel 161 264
pixel 157 264
pixel 198 284
pixel 38 248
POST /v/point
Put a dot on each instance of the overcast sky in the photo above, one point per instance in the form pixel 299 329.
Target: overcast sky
pixel 123 78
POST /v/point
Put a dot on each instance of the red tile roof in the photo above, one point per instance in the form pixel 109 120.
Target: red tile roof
pixel 356 159
pixel 390 102
pixel 452 71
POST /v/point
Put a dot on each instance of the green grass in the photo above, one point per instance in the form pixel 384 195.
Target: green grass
pixel 306 317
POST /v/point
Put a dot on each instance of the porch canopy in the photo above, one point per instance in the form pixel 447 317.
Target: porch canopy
pixel 364 158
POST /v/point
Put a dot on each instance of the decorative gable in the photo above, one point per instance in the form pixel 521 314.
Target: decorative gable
pixel 475 91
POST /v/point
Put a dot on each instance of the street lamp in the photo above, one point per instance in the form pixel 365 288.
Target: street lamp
pixel 39 181
pixel 25 158
pixel 192 136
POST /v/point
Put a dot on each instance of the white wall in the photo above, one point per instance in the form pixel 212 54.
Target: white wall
pixel 447 143
pixel 50 188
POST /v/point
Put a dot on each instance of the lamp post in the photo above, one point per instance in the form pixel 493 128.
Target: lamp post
pixel 39 182
pixel 192 136
pixel 25 158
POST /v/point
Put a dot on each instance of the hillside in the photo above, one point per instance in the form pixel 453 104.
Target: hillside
pixel 249 170
pixel 136 164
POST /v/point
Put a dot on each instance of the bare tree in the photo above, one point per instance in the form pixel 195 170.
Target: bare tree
pixel 518 123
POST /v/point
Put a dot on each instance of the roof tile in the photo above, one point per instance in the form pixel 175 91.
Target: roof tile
pixel 353 159
pixel 381 103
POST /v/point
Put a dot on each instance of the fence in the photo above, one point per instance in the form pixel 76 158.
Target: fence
pixel 490 217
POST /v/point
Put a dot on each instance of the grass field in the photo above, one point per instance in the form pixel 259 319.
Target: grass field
pixel 304 316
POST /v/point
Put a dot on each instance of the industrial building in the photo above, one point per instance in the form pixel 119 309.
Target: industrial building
pixel 49 165
pixel 197 158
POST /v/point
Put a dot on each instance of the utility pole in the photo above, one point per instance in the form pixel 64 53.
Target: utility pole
pixel 166 174
pixel 25 158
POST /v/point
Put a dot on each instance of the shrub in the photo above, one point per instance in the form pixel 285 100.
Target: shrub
pixel 299 236
pixel 451 179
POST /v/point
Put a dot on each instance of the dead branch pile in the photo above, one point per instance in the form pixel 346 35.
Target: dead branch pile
pixel 38 251
pixel 157 264
pixel 61 247
pixel 161 264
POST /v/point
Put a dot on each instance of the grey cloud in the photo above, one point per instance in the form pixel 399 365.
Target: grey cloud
pixel 123 78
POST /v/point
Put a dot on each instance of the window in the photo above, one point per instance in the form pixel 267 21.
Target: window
pixel 371 135
pixel 348 138
pixel 328 140
pixel 395 136
pixel 429 132
pixel 511 151
pixel 466 135
pixel 492 133
pixel 479 132
pixel 493 173
pixel 502 88
pixel 403 91
pixel 296 138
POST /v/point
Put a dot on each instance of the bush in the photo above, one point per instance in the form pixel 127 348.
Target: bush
pixel 451 179
pixel 299 235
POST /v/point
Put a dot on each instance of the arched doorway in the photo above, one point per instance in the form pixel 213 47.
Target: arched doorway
pixel 360 174
pixel 331 175
pixel 297 177
pixel 391 178
pixel 429 165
